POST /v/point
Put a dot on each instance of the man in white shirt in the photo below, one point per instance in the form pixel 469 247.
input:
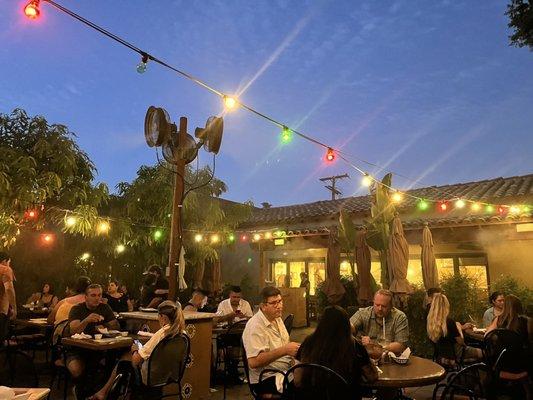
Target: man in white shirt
pixel 266 341
pixel 234 308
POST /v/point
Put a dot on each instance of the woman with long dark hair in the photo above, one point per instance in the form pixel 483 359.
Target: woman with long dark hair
pixel 119 302
pixel 332 345
pixel 172 323
pixel 513 318
pixel 46 298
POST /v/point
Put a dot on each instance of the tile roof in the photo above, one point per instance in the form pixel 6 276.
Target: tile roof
pixel 518 189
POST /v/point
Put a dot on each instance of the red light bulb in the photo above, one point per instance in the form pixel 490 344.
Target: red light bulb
pixel 330 155
pixel 32 9
pixel 443 206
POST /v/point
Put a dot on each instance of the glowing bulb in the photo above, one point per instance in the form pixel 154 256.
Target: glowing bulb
pixel 476 207
pixel 268 235
pixel 71 221
pixel 423 205
pixel 366 181
pixel 231 237
pixel 460 203
pixel 48 238
pixel 158 234
pixel 230 102
pixel 397 197
pixel 120 248
pixel 244 238
pixel 32 9
pixel 215 238
pixel 443 206
pixel 257 237
pixel 514 210
pixel 85 256
pixel 501 210
pixel 141 67
pixel 103 227
pixel 489 209
pixel 286 135
pixel 330 155
pixel 198 238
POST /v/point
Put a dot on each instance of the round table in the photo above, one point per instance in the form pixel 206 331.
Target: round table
pixel 417 372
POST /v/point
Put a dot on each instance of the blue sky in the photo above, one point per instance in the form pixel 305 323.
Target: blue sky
pixel 430 90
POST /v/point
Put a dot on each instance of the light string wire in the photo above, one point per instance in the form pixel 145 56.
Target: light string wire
pixel 342 155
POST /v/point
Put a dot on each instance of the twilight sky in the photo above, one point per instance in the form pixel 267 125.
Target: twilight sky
pixel 429 90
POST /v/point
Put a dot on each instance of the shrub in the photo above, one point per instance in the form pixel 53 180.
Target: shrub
pixel 348 300
pixel 416 315
pixel 467 302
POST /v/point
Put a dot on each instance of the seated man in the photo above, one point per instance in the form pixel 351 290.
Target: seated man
pixel 88 317
pixel 266 341
pixel 497 300
pixel 62 309
pixel 369 324
pixel 155 287
pixel 197 301
pixel 234 308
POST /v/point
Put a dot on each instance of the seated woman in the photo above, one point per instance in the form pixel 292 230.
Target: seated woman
pixel 445 332
pixel 119 302
pixel 332 345
pixel 45 298
pixel 172 323
pixel 512 318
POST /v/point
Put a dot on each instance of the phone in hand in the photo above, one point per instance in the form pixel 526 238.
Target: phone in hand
pixel 138 344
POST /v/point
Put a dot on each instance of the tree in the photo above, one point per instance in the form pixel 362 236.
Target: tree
pixel 41 169
pixel 520 13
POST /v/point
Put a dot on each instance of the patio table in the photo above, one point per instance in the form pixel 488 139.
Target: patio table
pixel 103 344
pixel 474 335
pixel 35 393
pixel 34 323
pixel 417 372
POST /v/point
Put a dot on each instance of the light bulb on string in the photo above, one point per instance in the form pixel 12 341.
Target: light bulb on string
pixel 476 207
pixel 229 102
pixel 286 135
pixel 158 234
pixel 244 238
pixel 215 238
pixel 71 221
pixel 48 238
pixel 257 237
pixel 330 155
pixel 120 248
pixel 31 10
pixel 489 209
pixel 198 238
pixel 397 197
pixel 366 180
pixel 423 205
pixel 443 206
pixel 231 238
pixel 514 209
pixel 268 235
pixel 502 210
pixel 85 256
pixel 141 67
pixel 103 228
pixel 460 203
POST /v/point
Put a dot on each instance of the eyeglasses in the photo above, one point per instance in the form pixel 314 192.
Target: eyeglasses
pixel 275 303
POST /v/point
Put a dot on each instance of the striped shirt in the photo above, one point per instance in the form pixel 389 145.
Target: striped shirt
pixel 367 324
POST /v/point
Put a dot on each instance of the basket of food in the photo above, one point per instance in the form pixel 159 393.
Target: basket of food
pixel 402 359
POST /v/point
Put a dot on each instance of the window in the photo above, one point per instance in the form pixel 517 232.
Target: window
pixel 279 273
pixel 345 268
pixel 317 274
pixel 287 273
pixel 296 267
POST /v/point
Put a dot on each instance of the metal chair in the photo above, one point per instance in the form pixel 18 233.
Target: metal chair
pixel 313 381
pixel 229 344
pixel 58 359
pixel 288 322
pixel 468 382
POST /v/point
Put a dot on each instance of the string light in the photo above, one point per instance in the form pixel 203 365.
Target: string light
pixel 443 206
pixel 286 135
pixel 397 197
pixel 514 210
pixel 476 207
pixel 71 221
pixel 501 210
pixel 141 67
pixel 257 237
pixel 103 228
pixel 460 203
pixel 330 155
pixel 31 10
pixel 215 238
pixel 423 205
pixel 85 256
pixel 158 234
pixel 229 102
pixel 120 248
pixel 244 238
pixel 231 238
pixel 366 180
pixel 198 238
pixel 268 235
pixel 489 209
pixel 48 238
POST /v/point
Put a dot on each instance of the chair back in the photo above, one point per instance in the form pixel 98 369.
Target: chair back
pixel 506 350
pixel 288 321
pixel 247 370
pixel 312 381
pixel 59 332
pixel 167 362
pixel 232 336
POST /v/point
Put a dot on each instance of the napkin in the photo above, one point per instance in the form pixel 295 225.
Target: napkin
pixel 81 336
pixel 143 333
pixel 405 355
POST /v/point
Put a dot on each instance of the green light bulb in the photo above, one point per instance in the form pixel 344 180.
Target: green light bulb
pixel 158 234
pixel 286 135
pixel 423 205
pixel 489 209
pixel 231 237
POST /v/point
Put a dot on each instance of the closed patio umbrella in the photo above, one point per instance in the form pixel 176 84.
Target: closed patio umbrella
pixel 217 281
pixel 398 258
pixel 199 275
pixel 362 257
pixel 333 287
pixel 181 271
pixel 427 258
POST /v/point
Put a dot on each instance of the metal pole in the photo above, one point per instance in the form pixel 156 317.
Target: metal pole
pixel 175 226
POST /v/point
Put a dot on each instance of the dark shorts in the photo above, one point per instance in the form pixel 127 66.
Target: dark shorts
pixel 4 325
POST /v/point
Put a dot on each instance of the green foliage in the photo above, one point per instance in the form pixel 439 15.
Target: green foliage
pixel 520 13
pixel 41 165
pixel 416 315
pixel 510 285
pixel 466 300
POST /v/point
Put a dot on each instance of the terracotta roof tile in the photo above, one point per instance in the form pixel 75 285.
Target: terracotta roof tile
pixel 517 189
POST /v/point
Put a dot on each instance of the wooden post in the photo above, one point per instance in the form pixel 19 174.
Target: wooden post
pixel 175 226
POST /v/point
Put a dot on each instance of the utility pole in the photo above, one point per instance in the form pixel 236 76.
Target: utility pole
pixel 176 223
pixel 333 179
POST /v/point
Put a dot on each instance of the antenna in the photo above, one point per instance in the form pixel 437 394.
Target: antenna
pixel 332 188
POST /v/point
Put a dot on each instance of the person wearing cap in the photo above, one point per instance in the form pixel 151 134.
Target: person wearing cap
pixel 134 362
pixel 155 287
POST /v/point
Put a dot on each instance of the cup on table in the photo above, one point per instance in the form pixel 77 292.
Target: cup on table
pixel 98 336
pixel 124 334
